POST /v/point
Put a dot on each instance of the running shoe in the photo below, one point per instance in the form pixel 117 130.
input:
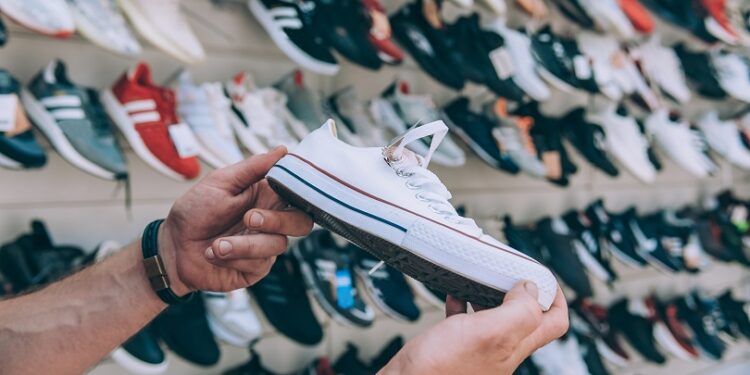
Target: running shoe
pixel 387 352
pixel 387 288
pixel 590 140
pixel 146 115
pixel 735 313
pixel 648 235
pixel 562 251
pixel 101 22
pixel 634 319
pixel 605 15
pixel 615 234
pixel 669 331
pixel 18 147
pixel 596 321
pixel 523 238
pixel 717 21
pixel 663 67
pixel 576 12
pixel 638 15
pixel 513 135
pixel 733 74
pixel 705 320
pixel 48 17
pixel 70 116
pixel 381 33
pixel 561 63
pixel 684 145
pixel 355 115
pixel 477 130
pixel 562 356
pixel 419 29
pixel 293 27
pixel 594 257
pixel 304 102
pixel 725 139
pixel 687 15
pixel 328 270
pixel 410 110
pixel 282 297
pixel 164 25
pixel 701 72
pixel 344 26
pixel 350 363
pixel 255 120
pixel 592 358
pixel 231 318
pixel 405 217
pixel 547 139
pixel 207 111
pixel 185 330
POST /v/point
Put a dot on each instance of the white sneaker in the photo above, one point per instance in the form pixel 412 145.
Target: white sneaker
pixel 724 137
pixel 733 74
pixel 49 17
pixel 355 116
pixel 625 141
pixel 163 24
pixel 663 67
pixel 682 144
pixel 101 22
pixel 254 117
pixel 525 74
pixel 206 110
pixel 387 202
pixel 610 17
pixel 561 358
pixel 498 7
pixel 231 318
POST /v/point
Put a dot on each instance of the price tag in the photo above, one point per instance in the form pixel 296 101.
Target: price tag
pixel 582 67
pixel 8 110
pixel 344 291
pixel 502 62
pixel 184 140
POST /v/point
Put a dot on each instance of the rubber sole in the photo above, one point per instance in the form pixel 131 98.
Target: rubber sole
pixel 395 256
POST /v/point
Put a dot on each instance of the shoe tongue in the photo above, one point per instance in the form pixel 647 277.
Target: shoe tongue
pixel 55 72
pixel 141 74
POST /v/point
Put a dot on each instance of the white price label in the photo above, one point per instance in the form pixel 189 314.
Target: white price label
pixel 582 67
pixel 184 140
pixel 8 111
pixel 502 62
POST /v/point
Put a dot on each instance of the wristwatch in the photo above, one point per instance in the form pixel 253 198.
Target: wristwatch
pixel 155 270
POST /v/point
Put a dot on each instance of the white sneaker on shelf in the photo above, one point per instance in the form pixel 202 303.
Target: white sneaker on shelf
pixel 610 17
pixel 498 7
pixel 561 358
pixel 163 24
pixel 231 318
pixel 663 67
pixel 101 22
pixel 385 200
pixel 625 141
pixel 733 74
pixel 725 139
pixel 48 17
pixel 206 110
pixel 355 116
pixel 683 145
pixel 525 73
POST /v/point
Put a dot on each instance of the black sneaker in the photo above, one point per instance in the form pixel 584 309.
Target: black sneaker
pixel 141 353
pixel 705 320
pixel 562 63
pixel 252 367
pixel 328 270
pixel 3 33
pixel 589 139
pixel 735 314
pixel 476 131
pixel 420 30
pixel 18 147
pixel 594 321
pixel 527 367
pixel 615 234
pixel 634 319
pixel 592 255
pixel 591 356
pixel 575 12
pixel 350 364
pixel 651 241
pixel 548 143
pixel 485 60
pixel 523 239
pixel 292 26
pixel 387 353
pixel 387 287
pixel 184 328
pixel 701 72
pixel 558 248
pixel 344 26
pixel 282 297
pixel 688 15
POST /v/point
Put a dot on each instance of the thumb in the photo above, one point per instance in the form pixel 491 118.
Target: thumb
pixel 520 313
pixel 238 177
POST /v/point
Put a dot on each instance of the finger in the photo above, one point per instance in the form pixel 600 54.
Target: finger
pixel 454 306
pixel 554 324
pixel 255 268
pixel 290 222
pixel 520 313
pixel 238 177
pixel 247 246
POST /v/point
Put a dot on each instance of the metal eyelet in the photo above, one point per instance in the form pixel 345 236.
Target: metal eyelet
pixel 411 186
pixel 401 173
pixel 421 198
pixel 436 210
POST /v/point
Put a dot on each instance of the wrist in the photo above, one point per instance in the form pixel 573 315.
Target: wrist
pixel 168 254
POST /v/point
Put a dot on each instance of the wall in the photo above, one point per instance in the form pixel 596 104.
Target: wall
pixel 84 210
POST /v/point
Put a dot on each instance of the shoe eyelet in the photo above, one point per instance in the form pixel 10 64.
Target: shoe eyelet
pixel 435 210
pixel 401 173
pixel 411 186
pixel 421 198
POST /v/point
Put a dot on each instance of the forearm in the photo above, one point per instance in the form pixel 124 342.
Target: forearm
pixel 67 327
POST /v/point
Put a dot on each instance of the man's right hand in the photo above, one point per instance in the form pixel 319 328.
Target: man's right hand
pixel 492 342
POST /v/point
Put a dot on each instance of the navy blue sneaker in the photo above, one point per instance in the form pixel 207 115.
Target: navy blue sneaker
pixel 18 148
pixel 386 286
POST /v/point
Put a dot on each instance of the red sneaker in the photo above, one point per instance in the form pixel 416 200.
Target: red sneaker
pixel 146 115
pixel 638 15
pixel 380 33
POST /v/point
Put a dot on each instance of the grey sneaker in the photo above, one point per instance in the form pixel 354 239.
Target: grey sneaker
pixel 354 115
pixel 510 138
pixel 74 121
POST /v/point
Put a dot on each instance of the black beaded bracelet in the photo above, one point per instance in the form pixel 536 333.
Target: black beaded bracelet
pixel 155 271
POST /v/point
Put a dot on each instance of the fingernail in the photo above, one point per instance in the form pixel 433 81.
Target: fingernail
pixel 256 219
pixel 210 253
pixel 531 289
pixel 225 247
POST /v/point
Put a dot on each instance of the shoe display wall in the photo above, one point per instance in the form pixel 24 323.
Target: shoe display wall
pixel 553 126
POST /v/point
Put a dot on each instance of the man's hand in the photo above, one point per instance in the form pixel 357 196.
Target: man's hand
pixel 492 342
pixel 226 231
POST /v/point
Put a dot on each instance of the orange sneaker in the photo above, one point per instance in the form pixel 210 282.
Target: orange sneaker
pixel 638 15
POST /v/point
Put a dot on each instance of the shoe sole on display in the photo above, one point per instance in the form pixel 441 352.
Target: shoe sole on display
pixel 285 44
pixel 247 138
pixel 135 365
pixel 669 343
pixel 9 163
pixel 227 335
pixel 592 265
pixel 427 250
pixel 139 20
pixel 47 124
pixel 307 275
pixel 121 119
pixel 365 278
